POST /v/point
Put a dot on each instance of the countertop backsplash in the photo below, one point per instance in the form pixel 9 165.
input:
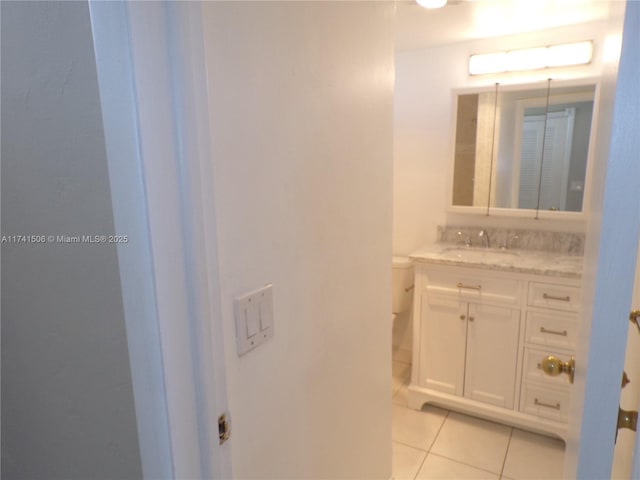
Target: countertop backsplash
pixel 564 243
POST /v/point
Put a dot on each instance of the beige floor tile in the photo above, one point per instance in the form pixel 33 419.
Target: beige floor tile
pixel 532 456
pixel 416 428
pixel 436 467
pixel 406 461
pixel 473 441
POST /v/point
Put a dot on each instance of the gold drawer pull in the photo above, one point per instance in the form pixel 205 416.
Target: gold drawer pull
pixel 546 296
pixel 470 287
pixel 554 332
pixel 542 404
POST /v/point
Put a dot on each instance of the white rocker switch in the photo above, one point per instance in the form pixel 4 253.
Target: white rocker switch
pixel 254 318
pixel 266 313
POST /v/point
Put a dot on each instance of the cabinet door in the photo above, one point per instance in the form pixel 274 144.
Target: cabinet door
pixel 443 343
pixel 492 350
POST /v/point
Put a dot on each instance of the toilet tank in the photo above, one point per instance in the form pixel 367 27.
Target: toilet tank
pixel 402 284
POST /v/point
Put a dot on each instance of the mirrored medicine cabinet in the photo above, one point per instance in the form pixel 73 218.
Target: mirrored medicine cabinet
pixel 522 150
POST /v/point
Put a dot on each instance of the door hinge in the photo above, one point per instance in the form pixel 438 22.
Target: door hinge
pixel 625 379
pixel 224 428
pixel 627 419
pixel 634 315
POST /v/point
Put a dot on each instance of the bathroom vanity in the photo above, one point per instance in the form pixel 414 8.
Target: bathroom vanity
pixel 484 321
pixel 491 324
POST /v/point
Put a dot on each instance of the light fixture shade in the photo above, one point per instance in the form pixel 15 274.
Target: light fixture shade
pixel 432 3
pixel 570 54
pixel 488 63
pixel 564 55
pixel 529 59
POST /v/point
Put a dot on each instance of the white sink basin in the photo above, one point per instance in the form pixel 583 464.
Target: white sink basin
pixel 501 257
pixel 485 256
pixel 462 254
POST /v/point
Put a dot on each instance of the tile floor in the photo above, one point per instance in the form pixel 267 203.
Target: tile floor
pixel 438 444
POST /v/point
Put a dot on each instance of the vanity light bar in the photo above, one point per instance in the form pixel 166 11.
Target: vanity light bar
pixel 563 55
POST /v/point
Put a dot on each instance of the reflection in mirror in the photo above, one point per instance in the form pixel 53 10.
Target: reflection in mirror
pixel 556 174
pixel 514 181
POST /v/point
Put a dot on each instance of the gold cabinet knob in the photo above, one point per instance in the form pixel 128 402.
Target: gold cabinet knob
pixel 554 366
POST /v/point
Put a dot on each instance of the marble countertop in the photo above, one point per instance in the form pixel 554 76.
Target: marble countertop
pixel 519 261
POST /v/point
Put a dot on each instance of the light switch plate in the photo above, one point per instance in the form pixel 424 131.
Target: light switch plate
pixel 254 318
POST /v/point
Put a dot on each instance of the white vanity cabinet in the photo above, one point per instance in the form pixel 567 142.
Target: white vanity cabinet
pixel 479 337
pixel 470 343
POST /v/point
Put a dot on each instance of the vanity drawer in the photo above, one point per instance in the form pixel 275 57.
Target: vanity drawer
pixel 552 329
pixel 531 370
pixel 474 287
pixel 560 297
pixel 545 402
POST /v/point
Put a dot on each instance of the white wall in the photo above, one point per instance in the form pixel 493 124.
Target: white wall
pixel 301 118
pixel 67 401
pixel 423 128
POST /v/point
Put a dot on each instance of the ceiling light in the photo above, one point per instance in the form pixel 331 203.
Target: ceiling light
pixel 564 55
pixel 432 3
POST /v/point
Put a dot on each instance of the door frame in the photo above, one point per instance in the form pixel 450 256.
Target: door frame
pixel 153 90
pixel 610 259
pixel 152 77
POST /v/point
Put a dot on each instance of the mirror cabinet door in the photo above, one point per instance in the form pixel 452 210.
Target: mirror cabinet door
pixel 513 151
pixel 474 149
pixel 465 150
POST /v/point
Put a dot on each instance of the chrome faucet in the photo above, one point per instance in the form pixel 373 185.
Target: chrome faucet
pixel 506 244
pixel 483 235
pixel 467 239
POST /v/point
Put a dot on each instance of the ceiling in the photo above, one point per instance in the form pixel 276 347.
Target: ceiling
pixel 418 27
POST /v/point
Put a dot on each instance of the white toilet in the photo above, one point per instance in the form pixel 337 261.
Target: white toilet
pixel 402 285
